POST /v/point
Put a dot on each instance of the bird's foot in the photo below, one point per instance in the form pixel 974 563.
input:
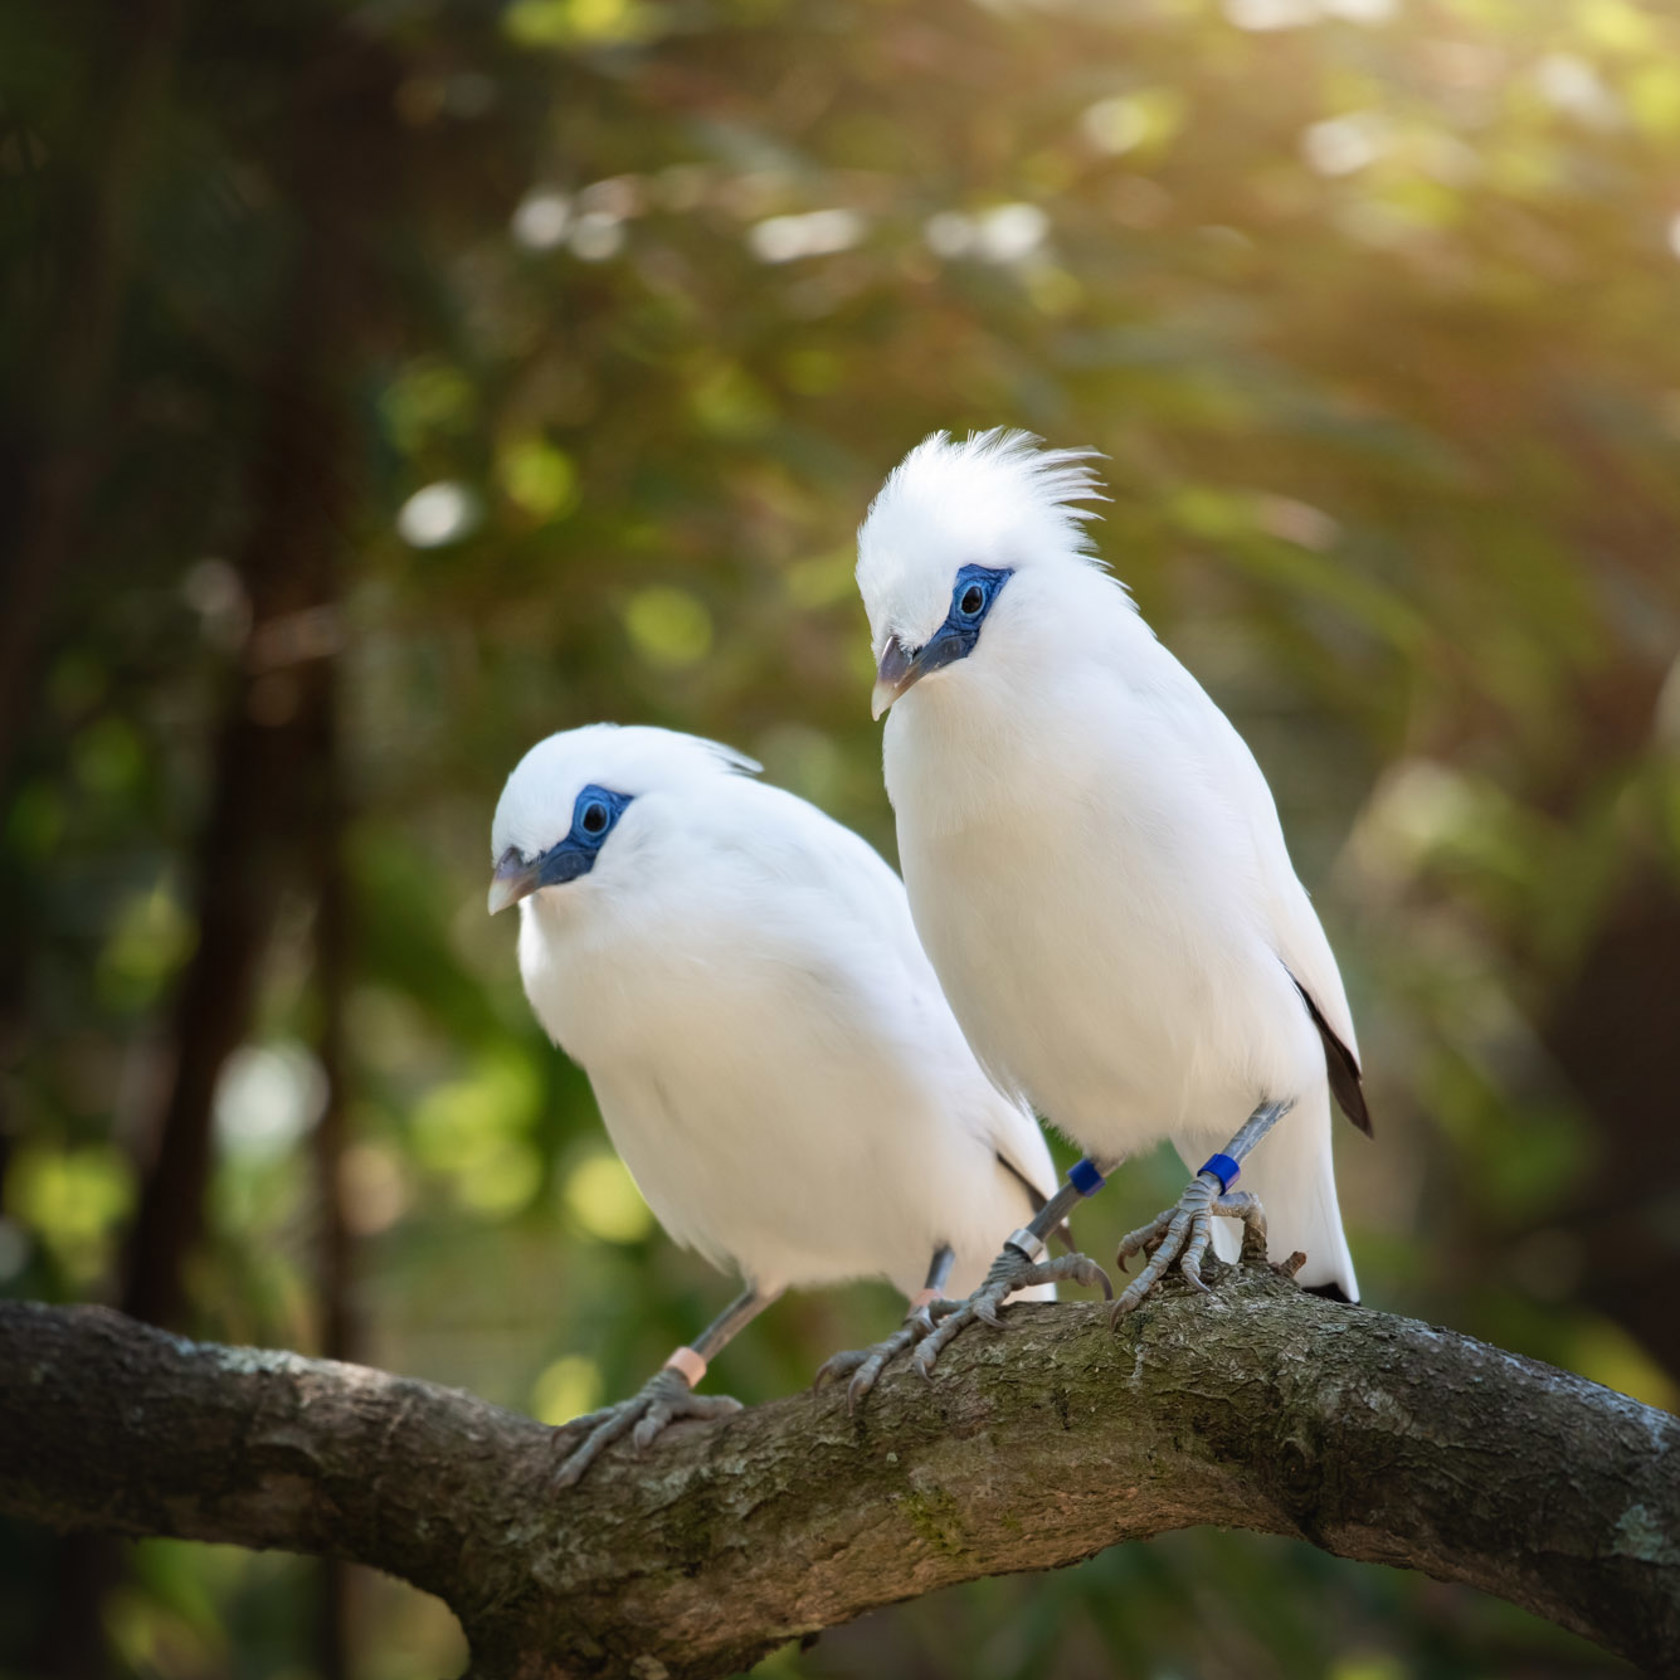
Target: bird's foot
pixel 1013 1269
pixel 664 1398
pixel 1183 1233
pixel 865 1365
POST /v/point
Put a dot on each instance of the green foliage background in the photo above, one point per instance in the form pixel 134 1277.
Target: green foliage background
pixel 1373 309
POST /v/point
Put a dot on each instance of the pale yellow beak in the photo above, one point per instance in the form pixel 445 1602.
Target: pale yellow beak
pixel 898 671
pixel 514 879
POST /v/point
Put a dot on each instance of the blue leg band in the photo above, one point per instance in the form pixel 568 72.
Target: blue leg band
pixel 1223 1168
pixel 1085 1178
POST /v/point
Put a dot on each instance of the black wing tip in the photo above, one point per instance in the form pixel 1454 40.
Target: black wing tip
pixel 1350 1094
pixel 1346 1081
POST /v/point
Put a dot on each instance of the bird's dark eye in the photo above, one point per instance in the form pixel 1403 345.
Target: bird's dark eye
pixel 594 813
pixel 971 601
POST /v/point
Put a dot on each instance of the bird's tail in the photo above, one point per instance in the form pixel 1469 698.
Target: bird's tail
pixel 1292 1172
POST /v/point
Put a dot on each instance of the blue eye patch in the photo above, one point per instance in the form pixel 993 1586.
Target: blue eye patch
pixel 972 596
pixel 595 814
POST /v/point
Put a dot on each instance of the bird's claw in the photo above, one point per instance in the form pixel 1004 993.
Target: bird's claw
pixel 663 1399
pixel 1145 1239
pixel 1182 1233
pixel 865 1365
pixel 1011 1271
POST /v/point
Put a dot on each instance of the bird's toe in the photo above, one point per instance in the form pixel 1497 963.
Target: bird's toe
pixel 1083 1270
pixel 617 1422
pixel 927 1355
pixel 651 1426
pixel 837 1367
pixel 868 1374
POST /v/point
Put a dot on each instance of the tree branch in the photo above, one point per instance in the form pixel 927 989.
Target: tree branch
pixel 1258 1407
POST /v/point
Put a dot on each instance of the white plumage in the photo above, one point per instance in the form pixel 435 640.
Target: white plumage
pixel 1093 857
pixel 772 1055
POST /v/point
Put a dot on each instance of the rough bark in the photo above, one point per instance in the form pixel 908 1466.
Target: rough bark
pixel 1259 1407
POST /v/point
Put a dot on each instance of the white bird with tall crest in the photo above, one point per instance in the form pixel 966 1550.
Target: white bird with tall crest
pixel 1096 868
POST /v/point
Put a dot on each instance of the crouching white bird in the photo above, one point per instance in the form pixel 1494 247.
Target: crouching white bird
pixel 1096 868
pixel 775 1064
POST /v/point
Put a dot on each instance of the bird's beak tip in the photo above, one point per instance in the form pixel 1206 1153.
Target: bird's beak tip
pixel 897 671
pixel 514 879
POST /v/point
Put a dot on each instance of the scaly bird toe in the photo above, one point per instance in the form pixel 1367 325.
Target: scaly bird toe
pixel 663 1399
pixel 1182 1233
pixel 865 1365
pixel 1011 1271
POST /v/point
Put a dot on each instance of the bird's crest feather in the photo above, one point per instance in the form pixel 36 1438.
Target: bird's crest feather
pixel 998 498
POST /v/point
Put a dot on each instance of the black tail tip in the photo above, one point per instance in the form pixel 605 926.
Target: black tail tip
pixel 1331 1292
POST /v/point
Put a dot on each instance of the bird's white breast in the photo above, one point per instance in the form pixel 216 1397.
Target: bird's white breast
pixel 1088 900
pixel 789 1092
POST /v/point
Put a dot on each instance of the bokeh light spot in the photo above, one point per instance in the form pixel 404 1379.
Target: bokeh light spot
pixel 669 627
pixel 602 1197
pixel 267 1097
pixel 538 477
pixel 566 1389
pixel 71 1201
pixel 107 757
pixel 442 513
pixel 151 936
pixel 542 220
pixel 818 233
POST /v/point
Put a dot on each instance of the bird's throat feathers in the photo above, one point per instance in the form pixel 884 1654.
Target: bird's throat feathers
pixel 1066 651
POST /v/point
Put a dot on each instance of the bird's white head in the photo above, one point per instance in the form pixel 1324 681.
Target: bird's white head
pixel 951 527
pixel 585 806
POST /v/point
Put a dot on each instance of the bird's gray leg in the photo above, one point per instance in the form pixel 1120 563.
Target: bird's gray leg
pixel 1021 1265
pixel 667 1395
pixel 864 1365
pixel 1183 1232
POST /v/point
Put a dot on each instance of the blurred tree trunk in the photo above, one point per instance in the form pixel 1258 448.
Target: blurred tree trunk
pixel 1614 1025
pixel 56 457
pixel 53 442
pixel 1614 1031
pixel 274 812
pixel 339 1331
pixel 50 478
pixel 267 786
pixel 264 764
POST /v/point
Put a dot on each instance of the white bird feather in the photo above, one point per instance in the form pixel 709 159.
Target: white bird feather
pixel 1094 859
pixel 773 1058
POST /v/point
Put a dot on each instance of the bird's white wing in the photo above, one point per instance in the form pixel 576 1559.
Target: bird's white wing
pixel 837 862
pixel 823 855
pixel 1298 935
